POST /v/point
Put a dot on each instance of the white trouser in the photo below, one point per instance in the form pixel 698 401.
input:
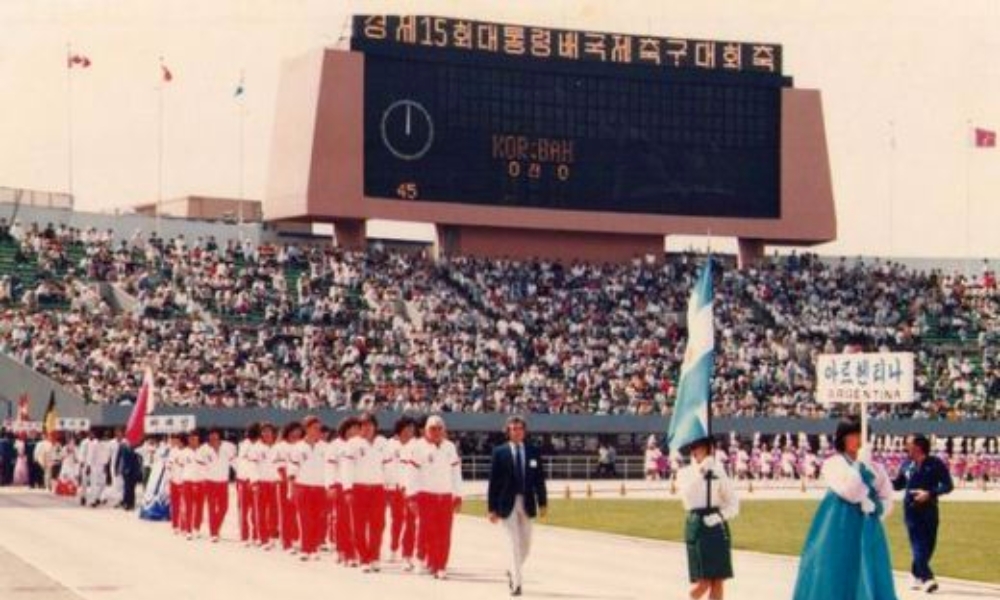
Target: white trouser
pixel 518 528
pixel 96 484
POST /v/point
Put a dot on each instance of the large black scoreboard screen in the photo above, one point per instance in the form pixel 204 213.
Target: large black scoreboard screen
pixel 502 115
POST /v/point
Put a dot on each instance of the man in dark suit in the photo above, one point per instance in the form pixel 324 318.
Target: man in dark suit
pixel 517 494
pixel 7 458
pixel 925 478
pixel 128 466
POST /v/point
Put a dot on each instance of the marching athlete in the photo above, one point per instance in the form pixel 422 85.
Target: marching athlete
pixel 434 488
pixel 246 479
pixel 307 461
pixel 193 487
pixel 403 527
pixel 287 505
pixel 263 457
pixel 216 457
pixel 364 488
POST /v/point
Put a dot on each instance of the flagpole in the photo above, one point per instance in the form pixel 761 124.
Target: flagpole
pixel 968 196
pixel 892 180
pixel 159 153
pixel 242 109
pixel 708 409
pixel 69 121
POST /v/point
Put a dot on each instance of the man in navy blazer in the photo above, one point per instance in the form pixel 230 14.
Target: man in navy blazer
pixel 517 494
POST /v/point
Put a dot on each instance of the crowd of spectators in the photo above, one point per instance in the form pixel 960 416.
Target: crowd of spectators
pixel 310 326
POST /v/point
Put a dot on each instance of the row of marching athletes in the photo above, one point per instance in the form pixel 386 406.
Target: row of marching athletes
pixel 312 488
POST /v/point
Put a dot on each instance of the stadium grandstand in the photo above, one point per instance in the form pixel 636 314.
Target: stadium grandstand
pixel 303 326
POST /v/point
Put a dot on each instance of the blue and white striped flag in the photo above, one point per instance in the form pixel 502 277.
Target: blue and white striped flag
pixel 689 422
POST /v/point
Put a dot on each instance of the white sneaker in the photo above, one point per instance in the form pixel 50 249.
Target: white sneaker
pixel 215 539
pixel 441 575
pixel 189 537
pixel 408 566
pixel 915 584
pixel 366 568
pixel 930 586
pixel 376 566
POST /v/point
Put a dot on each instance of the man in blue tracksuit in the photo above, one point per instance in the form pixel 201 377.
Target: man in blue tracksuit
pixel 925 478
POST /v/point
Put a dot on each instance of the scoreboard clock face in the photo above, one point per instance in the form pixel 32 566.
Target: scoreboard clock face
pixel 573 138
pixel 407 130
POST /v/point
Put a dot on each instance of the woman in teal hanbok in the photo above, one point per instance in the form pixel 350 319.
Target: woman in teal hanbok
pixel 846 555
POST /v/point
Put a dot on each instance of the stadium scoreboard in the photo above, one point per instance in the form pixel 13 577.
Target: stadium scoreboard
pixel 506 115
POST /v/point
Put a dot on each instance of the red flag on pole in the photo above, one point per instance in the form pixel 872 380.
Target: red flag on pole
pixel 986 138
pixel 167 75
pixel 77 60
pixel 144 404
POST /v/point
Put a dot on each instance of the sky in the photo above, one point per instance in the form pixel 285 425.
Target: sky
pixel 903 84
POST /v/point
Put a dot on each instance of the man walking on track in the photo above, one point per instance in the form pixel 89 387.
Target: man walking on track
pixel 925 478
pixel 516 495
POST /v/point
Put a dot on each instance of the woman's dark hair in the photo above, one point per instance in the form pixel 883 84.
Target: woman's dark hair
pixel 289 428
pixel 367 417
pixel 845 428
pixel 346 425
pixel 402 423
pixel 253 432
pixel 707 442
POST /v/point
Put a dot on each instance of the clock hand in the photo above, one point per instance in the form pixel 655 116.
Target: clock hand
pixel 408 109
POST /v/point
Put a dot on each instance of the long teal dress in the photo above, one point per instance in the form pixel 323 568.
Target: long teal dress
pixel 846 554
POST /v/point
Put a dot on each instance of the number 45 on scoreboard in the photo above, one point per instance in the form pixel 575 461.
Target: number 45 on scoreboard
pixel 408 191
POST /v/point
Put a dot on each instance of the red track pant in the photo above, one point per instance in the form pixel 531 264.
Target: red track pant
pixel 176 506
pixel 217 494
pixel 312 512
pixel 331 517
pixel 436 515
pixel 404 524
pixel 289 516
pixel 421 528
pixel 193 502
pixel 248 511
pixel 368 510
pixel 267 510
pixel 345 529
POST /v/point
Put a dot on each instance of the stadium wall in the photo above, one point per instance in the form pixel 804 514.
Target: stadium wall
pixel 239 418
pixel 125 226
pixel 20 379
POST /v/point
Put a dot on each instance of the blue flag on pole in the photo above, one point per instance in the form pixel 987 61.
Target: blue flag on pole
pixel 689 422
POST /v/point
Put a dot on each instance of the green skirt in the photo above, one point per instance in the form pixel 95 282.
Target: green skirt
pixel 709 549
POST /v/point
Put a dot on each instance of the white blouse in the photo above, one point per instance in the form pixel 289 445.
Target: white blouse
pixel 693 490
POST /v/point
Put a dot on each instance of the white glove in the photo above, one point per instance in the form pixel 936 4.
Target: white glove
pixel 867 506
pixel 713 520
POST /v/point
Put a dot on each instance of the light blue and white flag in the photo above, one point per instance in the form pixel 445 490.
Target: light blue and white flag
pixel 689 422
pixel 156 499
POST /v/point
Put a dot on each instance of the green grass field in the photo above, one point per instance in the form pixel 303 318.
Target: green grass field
pixel 966 541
